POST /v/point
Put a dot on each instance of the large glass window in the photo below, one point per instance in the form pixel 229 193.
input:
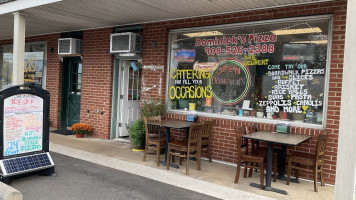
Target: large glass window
pixel 35 61
pixel 264 70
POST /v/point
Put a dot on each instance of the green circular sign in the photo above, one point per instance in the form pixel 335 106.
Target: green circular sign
pixel 230 81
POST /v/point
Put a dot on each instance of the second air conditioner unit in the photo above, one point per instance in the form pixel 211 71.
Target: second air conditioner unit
pixel 127 42
pixel 69 46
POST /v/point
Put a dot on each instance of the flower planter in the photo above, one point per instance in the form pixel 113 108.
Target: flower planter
pixel 133 146
pixel 253 113
pixel 283 115
pixel 79 135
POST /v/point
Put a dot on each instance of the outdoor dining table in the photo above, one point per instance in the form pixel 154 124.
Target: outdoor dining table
pixel 176 124
pixel 275 138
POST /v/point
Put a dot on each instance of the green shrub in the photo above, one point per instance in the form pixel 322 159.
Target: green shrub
pixel 152 108
pixel 137 132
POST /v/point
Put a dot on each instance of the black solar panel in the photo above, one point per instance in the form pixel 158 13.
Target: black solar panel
pixel 27 163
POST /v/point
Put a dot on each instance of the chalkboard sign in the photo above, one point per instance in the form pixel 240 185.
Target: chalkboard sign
pixel 23 124
pixel 24 131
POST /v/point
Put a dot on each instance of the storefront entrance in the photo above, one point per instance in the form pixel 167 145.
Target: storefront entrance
pixel 71 92
pixel 129 92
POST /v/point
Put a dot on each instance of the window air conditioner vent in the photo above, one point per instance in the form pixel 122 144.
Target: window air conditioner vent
pixel 125 43
pixel 69 46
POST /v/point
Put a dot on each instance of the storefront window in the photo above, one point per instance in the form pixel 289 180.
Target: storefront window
pixel 35 60
pixel 263 70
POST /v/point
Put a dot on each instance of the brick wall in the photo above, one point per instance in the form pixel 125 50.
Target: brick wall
pixel 97 80
pixel 224 145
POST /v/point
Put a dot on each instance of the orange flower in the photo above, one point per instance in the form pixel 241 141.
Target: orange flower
pixel 81 128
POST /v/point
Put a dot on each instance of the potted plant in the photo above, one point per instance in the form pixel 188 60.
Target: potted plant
pixel 80 129
pixel 136 133
pixel 136 128
pixel 152 108
pixel 260 112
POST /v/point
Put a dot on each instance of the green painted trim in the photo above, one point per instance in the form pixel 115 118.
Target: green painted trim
pixel 115 97
pixel 63 124
pixel 128 29
pixel 75 34
pixel 64 94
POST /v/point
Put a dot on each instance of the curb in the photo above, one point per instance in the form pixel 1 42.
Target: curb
pixel 9 193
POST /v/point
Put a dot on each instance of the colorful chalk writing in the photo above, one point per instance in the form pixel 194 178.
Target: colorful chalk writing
pixel 191 80
pixel 23 124
pixel 289 93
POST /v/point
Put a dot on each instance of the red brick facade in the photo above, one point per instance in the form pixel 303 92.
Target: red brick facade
pixel 224 144
pixel 97 81
pixel 97 77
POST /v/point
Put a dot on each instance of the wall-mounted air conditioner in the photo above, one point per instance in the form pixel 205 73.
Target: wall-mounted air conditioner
pixel 125 43
pixel 69 46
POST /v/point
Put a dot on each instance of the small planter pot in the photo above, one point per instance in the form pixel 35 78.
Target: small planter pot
pixel 79 135
pixel 283 115
pixel 253 113
pixel 133 146
pixel 259 114
pixel 270 115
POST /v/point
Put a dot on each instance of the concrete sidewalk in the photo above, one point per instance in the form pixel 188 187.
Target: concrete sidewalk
pixel 214 179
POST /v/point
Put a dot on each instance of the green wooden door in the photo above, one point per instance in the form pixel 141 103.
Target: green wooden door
pixel 74 92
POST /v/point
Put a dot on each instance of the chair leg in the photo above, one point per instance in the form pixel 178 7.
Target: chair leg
pixel 209 152
pixel 158 154
pixel 250 172
pixel 145 154
pixel 198 157
pixel 187 163
pixel 316 179
pixel 168 157
pixel 322 176
pixel 173 159
pixel 245 171
pixel 289 169
pixel 262 175
pixel 181 159
pixel 237 176
pixel 275 168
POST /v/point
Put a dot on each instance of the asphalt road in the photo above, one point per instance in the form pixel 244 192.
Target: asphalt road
pixel 77 179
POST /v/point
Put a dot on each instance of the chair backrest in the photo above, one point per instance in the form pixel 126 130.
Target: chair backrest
pixel 253 128
pixel 320 148
pixel 241 142
pixel 151 129
pixel 208 126
pixel 195 131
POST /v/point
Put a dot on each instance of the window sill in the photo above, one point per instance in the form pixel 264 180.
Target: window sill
pixel 249 119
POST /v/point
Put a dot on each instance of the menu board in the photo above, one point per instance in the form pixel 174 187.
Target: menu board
pixel 23 124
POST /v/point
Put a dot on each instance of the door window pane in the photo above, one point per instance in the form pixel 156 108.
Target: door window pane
pixel 134 84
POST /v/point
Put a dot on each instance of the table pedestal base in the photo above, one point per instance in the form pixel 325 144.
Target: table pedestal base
pixel 170 164
pixel 283 178
pixel 269 188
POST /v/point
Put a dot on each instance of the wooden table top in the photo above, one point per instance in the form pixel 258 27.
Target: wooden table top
pixel 280 138
pixel 172 124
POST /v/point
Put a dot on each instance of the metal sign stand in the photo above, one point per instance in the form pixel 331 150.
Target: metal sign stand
pixel 24 132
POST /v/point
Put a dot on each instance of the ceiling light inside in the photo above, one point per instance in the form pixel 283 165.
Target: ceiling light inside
pixel 297 31
pixel 314 41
